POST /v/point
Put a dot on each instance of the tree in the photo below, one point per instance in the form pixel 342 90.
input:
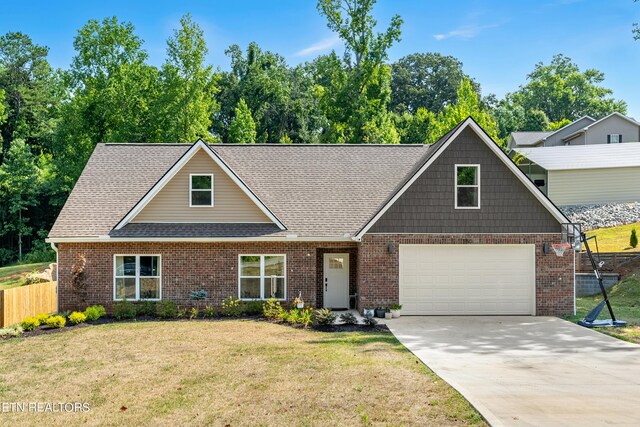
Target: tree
pixel 189 86
pixel 426 80
pixel 535 121
pixel 243 128
pixel 562 91
pixel 355 100
pixel 633 239
pixel 19 182
pixel 415 128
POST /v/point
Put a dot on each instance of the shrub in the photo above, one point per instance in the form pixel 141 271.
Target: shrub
pixel 209 311
pixel 194 313
pixel 166 309
pixel 633 239
pixel 370 321
pixel 146 308
pixel 272 309
pixel 231 307
pixel 124 310
pixel 252 308
pixel 77 317
pixel 323 316
pixel 13 331
pixel 199 295
pixel 395 307
pixel 306 317
pixel 182 312
pixel 348 318
pixel 42 318
pixel 56 322
pixel 95 312
pixel 6 256
pixel 30 323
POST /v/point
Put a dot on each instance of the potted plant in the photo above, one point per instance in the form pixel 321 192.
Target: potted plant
pixel 395 310
pixel 298 302
pixel 368 312
pixel 380 311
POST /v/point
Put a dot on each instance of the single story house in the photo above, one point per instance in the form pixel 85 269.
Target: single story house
pixel 615 128
pixel 450 228
pixel 586 174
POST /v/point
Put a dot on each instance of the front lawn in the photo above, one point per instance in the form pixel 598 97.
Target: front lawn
pixel 225 373
pixel 615 239
pixel 625 300
pixel 12 276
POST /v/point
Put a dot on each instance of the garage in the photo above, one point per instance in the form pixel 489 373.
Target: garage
pixel 467 279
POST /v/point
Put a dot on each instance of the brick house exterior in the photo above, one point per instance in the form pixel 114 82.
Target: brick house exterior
pixel 365 201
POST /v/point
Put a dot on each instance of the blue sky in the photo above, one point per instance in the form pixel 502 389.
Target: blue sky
pixel 499 41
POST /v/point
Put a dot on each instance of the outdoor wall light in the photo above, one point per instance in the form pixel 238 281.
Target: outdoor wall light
pixel 545 248
pixel 391 248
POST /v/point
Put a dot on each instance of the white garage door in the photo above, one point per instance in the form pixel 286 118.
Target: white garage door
pixel 467 279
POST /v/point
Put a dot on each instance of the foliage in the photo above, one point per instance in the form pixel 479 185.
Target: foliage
pixel 323 316
pixel 370 321
pixel 199 295
pixel 30 323
pixel 56 322
pixel 242 129
pixel 348 318
pixel 209 311
pixel 40 251
pixel 77 317
pixel 194 313
pixel 124 310
pixel 31 278
pixel 146 308
pixel 272 309
pixel 231 307
pixel 94 312
pixel 42 317
pixel 181 313
pixel 166 309
pixel 633 239
pixel 252 308
pixel 553 126
pixel 395 306
pixel 12 330
pixel 296 316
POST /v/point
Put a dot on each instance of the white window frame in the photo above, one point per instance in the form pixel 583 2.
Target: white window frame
pixel 617 141
pixel 455 180
pixel 191 190
pixel 138 277
pixel 262 277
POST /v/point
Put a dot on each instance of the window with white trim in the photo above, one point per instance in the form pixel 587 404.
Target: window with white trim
pixel 467 187
pixel 614 138
pixel 137 277
pixel 201 190
pixel 262 277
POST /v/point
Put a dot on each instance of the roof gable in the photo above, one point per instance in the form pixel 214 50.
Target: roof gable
pixel 198 147
pixel 440 147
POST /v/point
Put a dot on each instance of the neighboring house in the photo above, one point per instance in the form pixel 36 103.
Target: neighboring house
pixel 587 174
pixel 612 129
pixel 450 228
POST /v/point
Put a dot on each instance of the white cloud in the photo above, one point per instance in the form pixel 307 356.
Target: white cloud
pixel 465 32
pixel 320 46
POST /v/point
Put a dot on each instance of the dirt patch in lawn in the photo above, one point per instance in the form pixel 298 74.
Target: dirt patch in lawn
pixel 224 373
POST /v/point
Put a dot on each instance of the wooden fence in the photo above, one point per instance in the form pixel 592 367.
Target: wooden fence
pixel 25 301
pixel 612 260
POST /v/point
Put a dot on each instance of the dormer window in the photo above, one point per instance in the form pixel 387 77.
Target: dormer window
pixel 467 183
pixel 200 190
pixel 614 138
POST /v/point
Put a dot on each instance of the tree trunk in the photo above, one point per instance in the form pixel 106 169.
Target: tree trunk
pixel 20 237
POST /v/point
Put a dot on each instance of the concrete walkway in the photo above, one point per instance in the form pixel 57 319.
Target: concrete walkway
pixel 530 371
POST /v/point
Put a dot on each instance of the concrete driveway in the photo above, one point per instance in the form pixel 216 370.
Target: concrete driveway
pixel 522 371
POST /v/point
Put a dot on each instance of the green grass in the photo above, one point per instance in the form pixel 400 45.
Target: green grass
pixel 625 301
pixel 615 239
pixel 11 276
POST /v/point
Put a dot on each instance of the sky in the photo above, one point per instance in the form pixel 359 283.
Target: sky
pixel 499 41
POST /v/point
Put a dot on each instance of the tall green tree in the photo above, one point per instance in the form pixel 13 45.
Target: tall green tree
pixel 242 129
pixel 189 85
pixel 19 184
pixel 426 80
pixel 356 99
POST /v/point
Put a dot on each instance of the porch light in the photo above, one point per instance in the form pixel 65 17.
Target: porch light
pixel 391 248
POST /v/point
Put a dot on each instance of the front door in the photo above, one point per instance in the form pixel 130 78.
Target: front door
pixel 336 280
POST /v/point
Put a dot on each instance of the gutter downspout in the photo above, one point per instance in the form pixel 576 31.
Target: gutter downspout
pixel 55 248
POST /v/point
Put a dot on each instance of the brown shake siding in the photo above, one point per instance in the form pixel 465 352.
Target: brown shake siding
pixel 378 269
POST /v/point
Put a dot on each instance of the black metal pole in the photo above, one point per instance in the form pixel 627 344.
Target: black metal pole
pixel 596 271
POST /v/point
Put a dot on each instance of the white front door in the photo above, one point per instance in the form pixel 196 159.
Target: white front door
pixel 336 280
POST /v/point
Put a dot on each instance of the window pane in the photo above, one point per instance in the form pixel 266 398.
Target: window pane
pixel 149 266
pixel 250 266
pixel 250 288
pixel 467 175
pixel 125 266
pixel 274 266
pixel 201 198
pixel 274 287
pixel 149 288
pixel 468 197
pixel 336 263
pixel 200 182
pixel 126 288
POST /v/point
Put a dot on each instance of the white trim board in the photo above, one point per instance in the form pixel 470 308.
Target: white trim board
pixel 197 146
pixel 469 122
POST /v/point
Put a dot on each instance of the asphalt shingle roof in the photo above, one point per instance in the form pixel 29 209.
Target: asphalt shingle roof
pixel 315 190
